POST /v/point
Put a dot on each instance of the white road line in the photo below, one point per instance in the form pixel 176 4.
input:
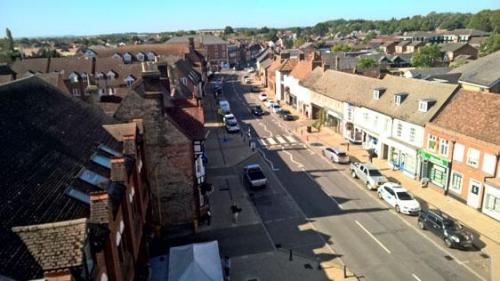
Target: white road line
pixel 290 139
pixel 416 277
pixel 281 140
pixel 268 161
pixel 373 237
pixel 271 141
pixel 293 160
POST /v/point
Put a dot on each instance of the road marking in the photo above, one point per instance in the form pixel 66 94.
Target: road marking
pixel 416 277
pixel 268 161
pixel 281 140
pixel 271 141
pixel 290 139
pixel 293 160
pixel 373 237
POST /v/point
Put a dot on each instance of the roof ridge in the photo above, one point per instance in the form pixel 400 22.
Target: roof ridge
pixel 58 224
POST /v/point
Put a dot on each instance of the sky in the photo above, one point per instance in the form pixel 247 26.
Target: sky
pixel 90 17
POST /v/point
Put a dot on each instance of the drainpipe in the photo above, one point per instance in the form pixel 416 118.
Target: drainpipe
pixel 449 168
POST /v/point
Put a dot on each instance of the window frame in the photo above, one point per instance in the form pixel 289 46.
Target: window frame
pixel 461 176
pixel 469 152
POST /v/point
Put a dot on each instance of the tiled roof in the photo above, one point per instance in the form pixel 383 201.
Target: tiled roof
pixel 123 70
pixel 302 68
pixel 451 47
pixel 70 64
pixel 48 138
pixel 55 245
pixel 266 63
pixel 473 114
pixel 358 90
pixel 21 67
pixel 403 43
pixel 310 79
pixel 158 49
pixel 205 39
pixel 468 31
pixel 288 65
pixel 484 71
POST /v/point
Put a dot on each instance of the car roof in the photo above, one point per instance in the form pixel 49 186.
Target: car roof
pixel 338 149
pixel 252 166
pixel 229 115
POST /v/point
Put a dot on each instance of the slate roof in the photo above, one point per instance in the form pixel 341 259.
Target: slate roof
pixel 70 64
pixel 55 245
pixel 468 31
pixel 158 49
pixel 48 138
pixel 21 67
pixel 266 63
pixel 473 114
pixel 345 62
pixel 263 54
pixel 358 90
pixel 428 71
pixel 451 47
pixel 205 39
pixel 123 70
pixel 484 71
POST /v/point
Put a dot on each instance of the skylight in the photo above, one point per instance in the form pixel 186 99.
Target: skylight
pixel 101 160
pixel 109 150
pixel 94 179
pixel 74 193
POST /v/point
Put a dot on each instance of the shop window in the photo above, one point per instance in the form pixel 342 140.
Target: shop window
pixel 456 182
pixel 438 175
pixel 493 203
pixel 443 147
pixel 473 157
pixel 432 142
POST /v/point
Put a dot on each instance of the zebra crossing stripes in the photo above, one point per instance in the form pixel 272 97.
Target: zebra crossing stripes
pixel 277 140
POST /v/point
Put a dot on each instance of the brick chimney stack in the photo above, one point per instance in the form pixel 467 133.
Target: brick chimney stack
pixel 118 170
pixel 129 146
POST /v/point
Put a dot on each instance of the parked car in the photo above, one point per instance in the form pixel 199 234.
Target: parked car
pixel 399 198
pixel 286 115
pixel 250 70
pixel 368 174
pixel 255 89
pixel 257 110
pixel 452 233
pixel 254 176
pixel 263 96
pixel 268 103
pixel 247 80
pixel 276 108
pixel 231 123
pixel 224 106
pixel 336 154
pixel 228 116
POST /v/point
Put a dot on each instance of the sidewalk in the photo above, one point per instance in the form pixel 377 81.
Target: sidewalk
pixel 487 228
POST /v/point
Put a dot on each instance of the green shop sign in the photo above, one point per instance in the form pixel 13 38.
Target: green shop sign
pixel 433 158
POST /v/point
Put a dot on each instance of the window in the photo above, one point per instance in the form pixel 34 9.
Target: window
pixel 492 203
pixel 456 182
pixel 431 143
pixel 365 116
pixel 443 147
pixel 458 152
pixel 473 157
pixel 489 162
pixel 412 134
pixel 397 99
pixel 422 106
pixel 73 77
pixel 75 193
pixel 76 92
pixel 399 130
pixel 111 75
pixel 94 179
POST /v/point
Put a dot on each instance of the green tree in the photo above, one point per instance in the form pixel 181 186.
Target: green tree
pixel 340 48
pixel 299 42
pixel 288 43
pixel 320 29
pixel 10 41
pixel 481 21
pixel 426 56
pixel 271 35
pixel 366 63
pixel 369 37
pixel 228 30
pixel 491 45
pixel 264 30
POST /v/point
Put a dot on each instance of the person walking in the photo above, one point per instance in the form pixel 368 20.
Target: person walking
pixel 370 156
pixel 235 211
pixel 227 267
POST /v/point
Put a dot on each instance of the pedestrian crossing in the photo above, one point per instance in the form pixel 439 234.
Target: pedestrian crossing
pixel 278 140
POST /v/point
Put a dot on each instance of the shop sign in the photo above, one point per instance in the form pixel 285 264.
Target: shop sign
pixel 433 158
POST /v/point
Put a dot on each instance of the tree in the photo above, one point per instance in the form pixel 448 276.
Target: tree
pixel 271 35
pixel 320 29
pixel 264 30
pixel 10 41
pixel 366 63
pixel 369 37
pixel 299 42
pixel 340 48
pixel 491 45
pixel 426 56
pixel 288 43
pixel 228 30
pixel 481 21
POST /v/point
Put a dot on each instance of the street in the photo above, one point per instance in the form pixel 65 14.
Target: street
pixel 375 243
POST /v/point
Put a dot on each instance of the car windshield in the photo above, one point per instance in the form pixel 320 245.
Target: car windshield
pixel 285 112
pixel 232 122
pixel 404 196
pixel 449 224
pixel 258 108
pixel 341 154
pixel 375 173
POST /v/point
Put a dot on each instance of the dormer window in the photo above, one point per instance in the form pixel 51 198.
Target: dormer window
pixel 129 80
pixel 84 77
pixel 140 56
pixel 127 57
pixel 151 56
pixel 117 56
pixel 99 75
pixel 399 98
pixel 425 105
pixel 377 93
pixel 111 75
pixel 73 77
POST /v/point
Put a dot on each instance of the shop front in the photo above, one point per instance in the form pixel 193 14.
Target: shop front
pixel 434 168
pixel 402 157
pixel 371 142
pixel 333 120
pixel 491 204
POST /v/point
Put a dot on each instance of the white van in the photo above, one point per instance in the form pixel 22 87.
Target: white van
pixel 224 106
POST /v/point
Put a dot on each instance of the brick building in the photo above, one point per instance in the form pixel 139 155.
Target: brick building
pixel 213 48
pixel 465 135
pixel 75 201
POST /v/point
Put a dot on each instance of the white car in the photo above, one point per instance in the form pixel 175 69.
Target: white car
pixel 399 198
pixel 228 116
pixel 336 154
pixel 268 103
pixel 275 108
pixel 262 96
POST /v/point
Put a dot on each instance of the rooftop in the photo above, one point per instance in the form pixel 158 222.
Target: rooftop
pixel 484 71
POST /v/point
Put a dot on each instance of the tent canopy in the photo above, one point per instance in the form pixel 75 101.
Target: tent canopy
pixel 200 261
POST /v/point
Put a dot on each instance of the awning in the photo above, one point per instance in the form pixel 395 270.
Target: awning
pixel 200 262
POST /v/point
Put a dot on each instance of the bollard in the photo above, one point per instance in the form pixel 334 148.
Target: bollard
pixel 345 271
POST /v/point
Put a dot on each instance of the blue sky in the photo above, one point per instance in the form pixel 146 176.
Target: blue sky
pixel 57 17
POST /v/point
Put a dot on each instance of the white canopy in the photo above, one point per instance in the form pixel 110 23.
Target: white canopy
pixel 200 262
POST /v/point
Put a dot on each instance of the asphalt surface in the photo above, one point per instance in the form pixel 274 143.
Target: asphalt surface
pixel 313 204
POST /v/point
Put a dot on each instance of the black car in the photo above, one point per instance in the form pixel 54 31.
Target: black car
pixel 257 110
pixel 447 229
pixel 286 115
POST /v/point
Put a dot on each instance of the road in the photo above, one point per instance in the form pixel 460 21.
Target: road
pixel 311 193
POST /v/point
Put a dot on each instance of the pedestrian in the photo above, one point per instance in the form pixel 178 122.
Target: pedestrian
pixel 347 146
pixel 252 146
pixel 235 211
pixel 227 267
pixel 209 217
pixel 370 156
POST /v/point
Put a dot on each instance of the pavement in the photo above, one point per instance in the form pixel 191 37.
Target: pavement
pixel 487 229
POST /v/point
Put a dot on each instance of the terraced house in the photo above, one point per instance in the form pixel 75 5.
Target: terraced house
pixel 74 202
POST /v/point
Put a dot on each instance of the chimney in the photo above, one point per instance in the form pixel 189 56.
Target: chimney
pixel 129 145
pixel 151 79
pixel 337 62
pixel 99 207
pixel 118 169
pixel 191 44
